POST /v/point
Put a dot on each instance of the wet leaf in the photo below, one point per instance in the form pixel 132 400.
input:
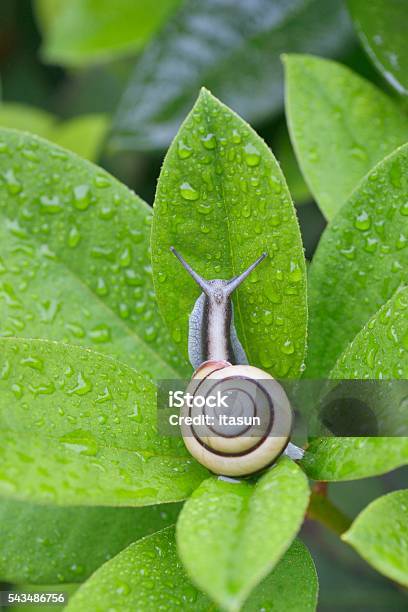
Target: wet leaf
pixel 234 49
pixel 336 459
pixel 52 545
pixel 380 535
pixel 74 261
pixel 381 25
pixel 291 586
pixel 145 576
pixel 377 352
pixel 341 126
pixel 231 534
pixel 221 201
pixel 380 349
pixel 80 428
pixel 148 574
pixel 360 262
pixel 82 32
pixel 286 157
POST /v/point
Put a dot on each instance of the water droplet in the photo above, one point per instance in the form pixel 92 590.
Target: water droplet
pixel 272 294
pixel 125 257
pixel 106 213
pixel 17 390
pixel 252 156
pixel 12 183
pixel 33 362
pixel 122 588
pixel 73 237
pixel 102 181
pixel 287 347
pixel 76 330
pixel 404 209
pixel 101 287
pixel 82 387
pixel 401 242
pixel 265 358
pixel 204 208
pixel 150 333
pixel 362 221
pixel 136 415
pixel 188 192
pixel 100 334
pixel 236 136
pixel 295 274
pixel 124 311
pixel 133 279
pixel 48 310
pixel 82 197
pixel 209 141
pixel 183 150
pixel 50 205
pixel 80 441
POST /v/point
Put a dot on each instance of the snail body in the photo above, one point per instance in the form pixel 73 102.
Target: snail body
pixel 252 427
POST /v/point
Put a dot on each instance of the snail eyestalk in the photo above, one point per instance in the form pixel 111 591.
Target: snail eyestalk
pixel 235 282
pixel 201 282
pixel 229 286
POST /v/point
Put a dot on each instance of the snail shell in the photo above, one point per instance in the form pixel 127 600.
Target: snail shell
pixel 237 450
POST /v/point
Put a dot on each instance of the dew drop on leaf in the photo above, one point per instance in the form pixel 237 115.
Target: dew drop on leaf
pixel 73 237
pixel 80 441
pixel 188 192
pixel 82 197
pixel 209 141
pixel 183 150
pixel 252 156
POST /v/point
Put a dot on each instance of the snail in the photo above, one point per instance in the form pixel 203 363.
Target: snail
pixel 250 426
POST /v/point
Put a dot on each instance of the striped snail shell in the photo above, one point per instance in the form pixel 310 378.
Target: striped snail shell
pixel 236 449
pixel 218 439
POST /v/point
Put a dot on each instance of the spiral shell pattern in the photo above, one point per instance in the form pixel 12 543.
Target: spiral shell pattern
pixel 249 446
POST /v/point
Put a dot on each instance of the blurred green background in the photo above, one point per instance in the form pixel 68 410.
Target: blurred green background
pixel 113 80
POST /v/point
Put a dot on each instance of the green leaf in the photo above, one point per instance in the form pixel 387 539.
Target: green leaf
pixel 148 575
pixel 380 535
pixel 222 200
pixel 360 261
pixel 26 118
pixel 51 545
pixel 233 48
pixel 47 11
pixel 145 576
pixel 380 349
pixel 338 459
pixel 83 135
pixel 340 125
pixel 292 586
pixel 81 32
pixel 231 534
pixel 74 257
pixel 285 155
pixel 381 25
pixel 79 428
